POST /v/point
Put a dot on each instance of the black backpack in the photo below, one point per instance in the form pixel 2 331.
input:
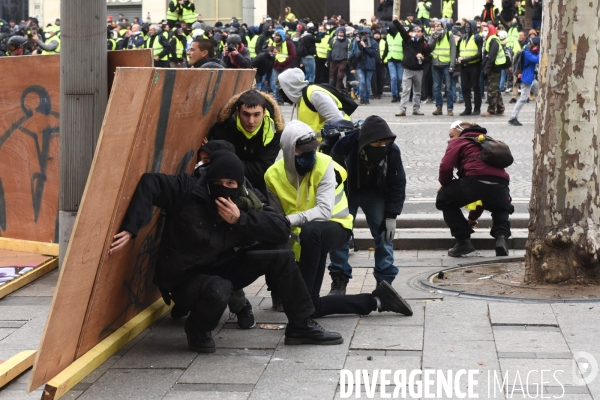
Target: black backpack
pixel 518 64
pixel 493 152
pixel 348 105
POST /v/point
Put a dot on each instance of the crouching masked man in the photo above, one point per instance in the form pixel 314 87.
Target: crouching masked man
pixel 211 248
pixel 308 187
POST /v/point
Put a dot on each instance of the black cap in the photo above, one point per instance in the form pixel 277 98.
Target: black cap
pixel 225 165
pixel 307 143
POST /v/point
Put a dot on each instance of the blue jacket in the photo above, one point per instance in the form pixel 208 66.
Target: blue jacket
pixel 368 59
pixel 530 60
pixel 391 182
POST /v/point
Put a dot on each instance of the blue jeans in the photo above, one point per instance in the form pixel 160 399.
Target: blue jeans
pixel 274 85
pixel 396 71
pixel 309 68
pixel 260 86
pixel 502 80
pixel 373 205
pixel 439 74
pixel 457 85
pixel 364 77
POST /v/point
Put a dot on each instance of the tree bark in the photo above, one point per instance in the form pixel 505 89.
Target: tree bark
pixel 396 9
pixel 564 226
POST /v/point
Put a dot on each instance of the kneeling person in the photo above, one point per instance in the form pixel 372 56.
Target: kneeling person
pixel 308 187
pixel 210 248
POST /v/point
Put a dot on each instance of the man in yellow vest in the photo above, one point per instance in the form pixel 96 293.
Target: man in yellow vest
pixel 253 123
pixel 423 11
pixel 286 52
pixel 378 75
pixel 321 65
pixel 377 184
pixel 52 44
pixel 307 187
pixel 174 12
pixel 161 46
pixel 469 58
pixel 189 15
pixel 443 54
pixel 447 8
pixel 326 106
pixel 394 58
pixel 494 60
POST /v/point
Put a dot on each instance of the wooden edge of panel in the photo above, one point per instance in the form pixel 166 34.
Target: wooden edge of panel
pixel 74 373
pixel 15 366
pixel 29 246
pixel 27 278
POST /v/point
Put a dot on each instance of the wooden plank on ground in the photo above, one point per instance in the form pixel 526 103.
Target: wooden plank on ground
pixel 48 249
pixel 155 124
pixel 127 58
pixel 15 366
pixel 91 360
pixel 29 277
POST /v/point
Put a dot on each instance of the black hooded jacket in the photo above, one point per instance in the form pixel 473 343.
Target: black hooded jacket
pixel 411 49
pixel 386 10
pixel 263 40
pixel 467 37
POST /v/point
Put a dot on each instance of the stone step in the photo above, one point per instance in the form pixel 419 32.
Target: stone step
pixel 437 238
pixel 427 221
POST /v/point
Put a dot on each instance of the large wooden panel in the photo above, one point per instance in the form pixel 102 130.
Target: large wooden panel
pixel 29 142
pixel 155 124
pixel 29 110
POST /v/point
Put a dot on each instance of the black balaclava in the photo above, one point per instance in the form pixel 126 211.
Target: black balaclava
pixel 224 165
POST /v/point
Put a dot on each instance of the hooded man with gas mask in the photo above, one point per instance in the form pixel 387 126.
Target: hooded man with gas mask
pixel 218 237
pixel 308 188
pixel 376 183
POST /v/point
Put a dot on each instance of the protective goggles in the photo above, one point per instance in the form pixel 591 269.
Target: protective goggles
pixel 13 47
pixel 457 125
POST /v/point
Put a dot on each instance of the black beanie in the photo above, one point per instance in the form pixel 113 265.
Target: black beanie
pixel 225 165
pixel 373 129
pixel 216 145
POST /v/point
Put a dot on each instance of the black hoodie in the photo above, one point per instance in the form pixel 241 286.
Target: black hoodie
pixel 386 9
pixel 467 37
pixel 411 49
pixel 263 40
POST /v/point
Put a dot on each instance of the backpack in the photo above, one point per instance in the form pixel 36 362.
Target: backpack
pixel 348 105
pixel 508 54
pixel 493 152
pixel 518 64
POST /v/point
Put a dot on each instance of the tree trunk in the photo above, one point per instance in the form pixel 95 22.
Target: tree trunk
pixel 564 227
pixel 396 9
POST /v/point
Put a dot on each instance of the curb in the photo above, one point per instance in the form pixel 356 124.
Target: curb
pixel 425 221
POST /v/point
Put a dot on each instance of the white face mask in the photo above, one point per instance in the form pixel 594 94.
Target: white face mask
pixel 47 35
pixel 484 33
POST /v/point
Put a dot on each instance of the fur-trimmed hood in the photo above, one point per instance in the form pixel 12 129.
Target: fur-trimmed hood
pixel 229 109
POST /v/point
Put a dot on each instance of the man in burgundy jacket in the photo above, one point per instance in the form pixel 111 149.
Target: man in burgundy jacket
pixel 476 181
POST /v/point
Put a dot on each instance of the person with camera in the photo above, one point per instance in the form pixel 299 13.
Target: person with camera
pixel 52 43
pixel 365 67
pixel 443 54
pixel 477 180
pixel 236 55
pixel 416 50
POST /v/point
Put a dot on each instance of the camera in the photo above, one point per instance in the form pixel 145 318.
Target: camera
pixel 231 48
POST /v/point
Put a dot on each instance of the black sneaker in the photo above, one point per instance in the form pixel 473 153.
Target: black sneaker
pixel 276 301
pixel 338 283
pixel 310 333
pixel 461 247
pixel 514 122
pixel 245 317
pixel 391 300
pixel 395 99
pixel 178 312
pixel 512 101
pixel 466 112
pixel 501 248
pixel 201 342
pixel 476 112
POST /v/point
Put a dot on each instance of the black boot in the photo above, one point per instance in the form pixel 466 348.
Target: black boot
pixel 338 283
pixel 309 332
pixel 501 248
pixel 395 99
pixel 178 312
pixel 202 342
pixel 390 299
pixel 462 246
pixel 276 301
pixel 245 317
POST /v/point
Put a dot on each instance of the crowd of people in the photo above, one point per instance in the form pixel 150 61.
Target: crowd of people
pixel 242 213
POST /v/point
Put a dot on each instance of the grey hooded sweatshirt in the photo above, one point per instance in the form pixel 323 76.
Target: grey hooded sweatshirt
pixel 323 209
pixel 292 81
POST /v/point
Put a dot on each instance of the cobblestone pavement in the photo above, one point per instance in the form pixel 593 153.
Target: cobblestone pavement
pixel 445 333
pixel 423 140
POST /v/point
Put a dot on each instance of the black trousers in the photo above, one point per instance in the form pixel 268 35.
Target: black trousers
pixel 321 71
pixel 427 83
pixel 469 80
pixel 460 192
pixel 318 238
pixel 208 293
pixel 378 78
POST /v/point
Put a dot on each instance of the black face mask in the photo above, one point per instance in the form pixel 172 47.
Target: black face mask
pixel 375 154
pixel 305 162
pixel 217 191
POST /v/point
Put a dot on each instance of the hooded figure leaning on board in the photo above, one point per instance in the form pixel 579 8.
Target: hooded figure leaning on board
pixel 219 237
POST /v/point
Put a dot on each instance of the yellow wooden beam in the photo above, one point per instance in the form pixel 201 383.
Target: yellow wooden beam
pixel 27 278
pixel 91 360
pixel 15 366
pixel 28 246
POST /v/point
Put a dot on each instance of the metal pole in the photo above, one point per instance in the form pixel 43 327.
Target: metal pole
pixel 83 98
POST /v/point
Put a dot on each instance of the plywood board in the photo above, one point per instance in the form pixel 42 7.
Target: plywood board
pixel 155 124
pixel 127 58
pixel 29 142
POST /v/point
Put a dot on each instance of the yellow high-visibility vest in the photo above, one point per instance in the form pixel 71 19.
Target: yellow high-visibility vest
pixel 282 54
pixel 323 46
pixel 172 16
pixel 189 16
pixel 395 49
pixel 312 118
pixel 500 57
pixel 468 48
pixel 158 48
pixel 294 200
pixel 252 46
pixel 422 11
pixel 54 38
pixel 442 49
pixel 447 8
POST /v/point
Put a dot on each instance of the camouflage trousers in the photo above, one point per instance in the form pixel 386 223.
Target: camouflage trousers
pixel 495 104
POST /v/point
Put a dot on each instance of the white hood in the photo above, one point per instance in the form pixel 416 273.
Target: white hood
pixel 292 82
